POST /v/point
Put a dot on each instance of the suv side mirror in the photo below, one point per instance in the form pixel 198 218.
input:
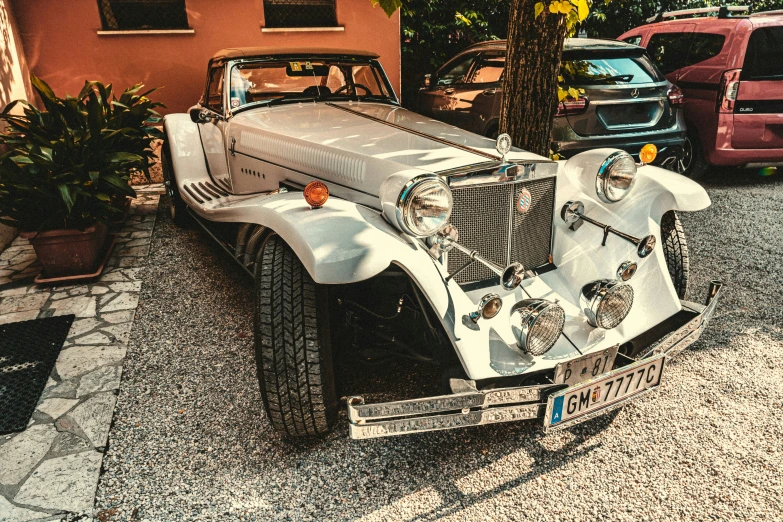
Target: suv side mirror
pixel 199 114
pixel 427 81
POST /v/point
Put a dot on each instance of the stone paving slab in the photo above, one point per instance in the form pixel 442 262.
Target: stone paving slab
pixel 50 471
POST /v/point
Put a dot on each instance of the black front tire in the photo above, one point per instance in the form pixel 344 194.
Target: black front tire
pixel 675 250
pixel 293 344
pixel 177 207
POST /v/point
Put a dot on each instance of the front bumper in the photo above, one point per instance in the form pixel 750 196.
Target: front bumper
pixel 478 407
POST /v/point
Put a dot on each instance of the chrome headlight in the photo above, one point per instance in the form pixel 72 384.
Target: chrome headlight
pixel 424 206
pixel 537 324
pixel 606 302
pixel 615 177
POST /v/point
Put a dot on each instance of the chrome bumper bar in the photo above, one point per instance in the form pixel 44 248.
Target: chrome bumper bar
pixel 475 408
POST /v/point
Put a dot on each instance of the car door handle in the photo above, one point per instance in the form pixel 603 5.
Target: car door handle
pixel 490 92
pixel 449 91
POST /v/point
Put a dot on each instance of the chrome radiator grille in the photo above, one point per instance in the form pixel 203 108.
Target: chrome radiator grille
pixel 488 221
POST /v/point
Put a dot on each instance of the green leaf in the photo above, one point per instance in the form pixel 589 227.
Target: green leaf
pixel 389 6
pixel 539 8
pixel 124 157
pixel 119 183
pixel 43 89
pixel 66 192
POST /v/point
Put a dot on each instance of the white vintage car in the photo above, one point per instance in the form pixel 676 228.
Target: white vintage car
pixel 543 290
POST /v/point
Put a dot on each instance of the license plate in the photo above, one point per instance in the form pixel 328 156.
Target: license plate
pixel 579 402
pixel 585 367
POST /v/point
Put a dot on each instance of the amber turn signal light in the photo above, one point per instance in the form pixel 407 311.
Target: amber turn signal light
pixel 648 153
pixel 316 194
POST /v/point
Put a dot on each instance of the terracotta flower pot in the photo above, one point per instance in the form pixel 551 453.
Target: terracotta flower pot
pixel 69 252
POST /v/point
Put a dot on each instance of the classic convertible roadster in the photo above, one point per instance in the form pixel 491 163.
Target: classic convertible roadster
pixel 541 289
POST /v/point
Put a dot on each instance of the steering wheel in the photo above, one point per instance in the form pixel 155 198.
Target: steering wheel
pixel 317 90
pixel 355 86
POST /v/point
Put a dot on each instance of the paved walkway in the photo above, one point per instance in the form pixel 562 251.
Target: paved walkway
pixel 50 471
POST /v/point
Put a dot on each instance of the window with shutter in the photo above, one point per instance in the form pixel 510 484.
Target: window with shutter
pixel 300 13
pixel 120 15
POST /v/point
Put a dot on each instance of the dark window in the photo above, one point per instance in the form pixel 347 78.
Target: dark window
pixel 300 13
pixel 763 56
pixel 704 46
pixel 669 51
pixel 119 15
pixel 214 98
pixel 672 51
pixel 608 71
pixel 633 40
pixel 456 70
pixel 489 68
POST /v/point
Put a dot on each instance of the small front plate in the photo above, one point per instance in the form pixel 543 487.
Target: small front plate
pixel 585 367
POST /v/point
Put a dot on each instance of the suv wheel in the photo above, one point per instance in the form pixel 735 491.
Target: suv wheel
pixel 675 250
pixel 292 344
pixel 692 162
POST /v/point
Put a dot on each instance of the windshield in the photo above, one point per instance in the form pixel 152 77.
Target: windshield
pixel 608 71
pixel 257 82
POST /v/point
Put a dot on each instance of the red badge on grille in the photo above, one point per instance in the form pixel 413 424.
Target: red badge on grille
pixel 524 200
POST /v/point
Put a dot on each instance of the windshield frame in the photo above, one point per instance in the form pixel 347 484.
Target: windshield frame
pixel 377 69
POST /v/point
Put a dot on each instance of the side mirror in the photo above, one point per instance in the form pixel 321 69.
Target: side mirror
pixel 427 81
pixel 199 114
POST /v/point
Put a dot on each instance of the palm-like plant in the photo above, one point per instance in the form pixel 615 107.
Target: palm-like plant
pixel 67 163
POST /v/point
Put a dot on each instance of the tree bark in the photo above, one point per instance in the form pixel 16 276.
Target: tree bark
pixel 535 47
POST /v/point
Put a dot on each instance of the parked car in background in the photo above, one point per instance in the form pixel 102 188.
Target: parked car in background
pixel 368 226
pixel 627 102
pixel 730 69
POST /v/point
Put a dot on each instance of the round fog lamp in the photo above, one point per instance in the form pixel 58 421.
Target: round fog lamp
pixel 648 153
pixel 488 307
pixel 316 193
pixel 537 324
pixel 626 270
pixel 606 302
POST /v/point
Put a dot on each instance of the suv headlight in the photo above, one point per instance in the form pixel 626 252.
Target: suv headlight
pixel 615 177
pixel 424 206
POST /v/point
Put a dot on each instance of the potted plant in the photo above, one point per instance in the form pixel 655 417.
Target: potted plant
pixel 65 174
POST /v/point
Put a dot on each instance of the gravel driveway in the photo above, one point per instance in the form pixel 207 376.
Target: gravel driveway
pixel 190 440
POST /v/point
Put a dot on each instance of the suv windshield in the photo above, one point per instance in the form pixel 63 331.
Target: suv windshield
pixel 268 81
pixel 627 70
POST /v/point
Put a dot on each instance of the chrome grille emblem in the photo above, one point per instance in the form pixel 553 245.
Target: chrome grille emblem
pixel 524 200
pixel 635 93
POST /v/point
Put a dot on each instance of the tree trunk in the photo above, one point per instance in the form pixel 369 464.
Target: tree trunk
pixel 535 46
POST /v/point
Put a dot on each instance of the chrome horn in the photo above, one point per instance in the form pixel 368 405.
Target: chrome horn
pixel 446 239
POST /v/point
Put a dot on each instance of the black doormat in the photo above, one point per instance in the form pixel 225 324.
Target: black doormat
pixel 28 351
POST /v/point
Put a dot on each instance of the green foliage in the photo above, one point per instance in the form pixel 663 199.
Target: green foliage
pixel 68 165
pixel 433 31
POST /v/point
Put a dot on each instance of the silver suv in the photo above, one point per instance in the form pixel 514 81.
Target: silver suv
pixel 627 101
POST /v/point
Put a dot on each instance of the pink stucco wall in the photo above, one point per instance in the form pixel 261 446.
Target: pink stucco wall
pixel 63 47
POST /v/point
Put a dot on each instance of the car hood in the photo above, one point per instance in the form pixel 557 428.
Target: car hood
pixel 359 144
